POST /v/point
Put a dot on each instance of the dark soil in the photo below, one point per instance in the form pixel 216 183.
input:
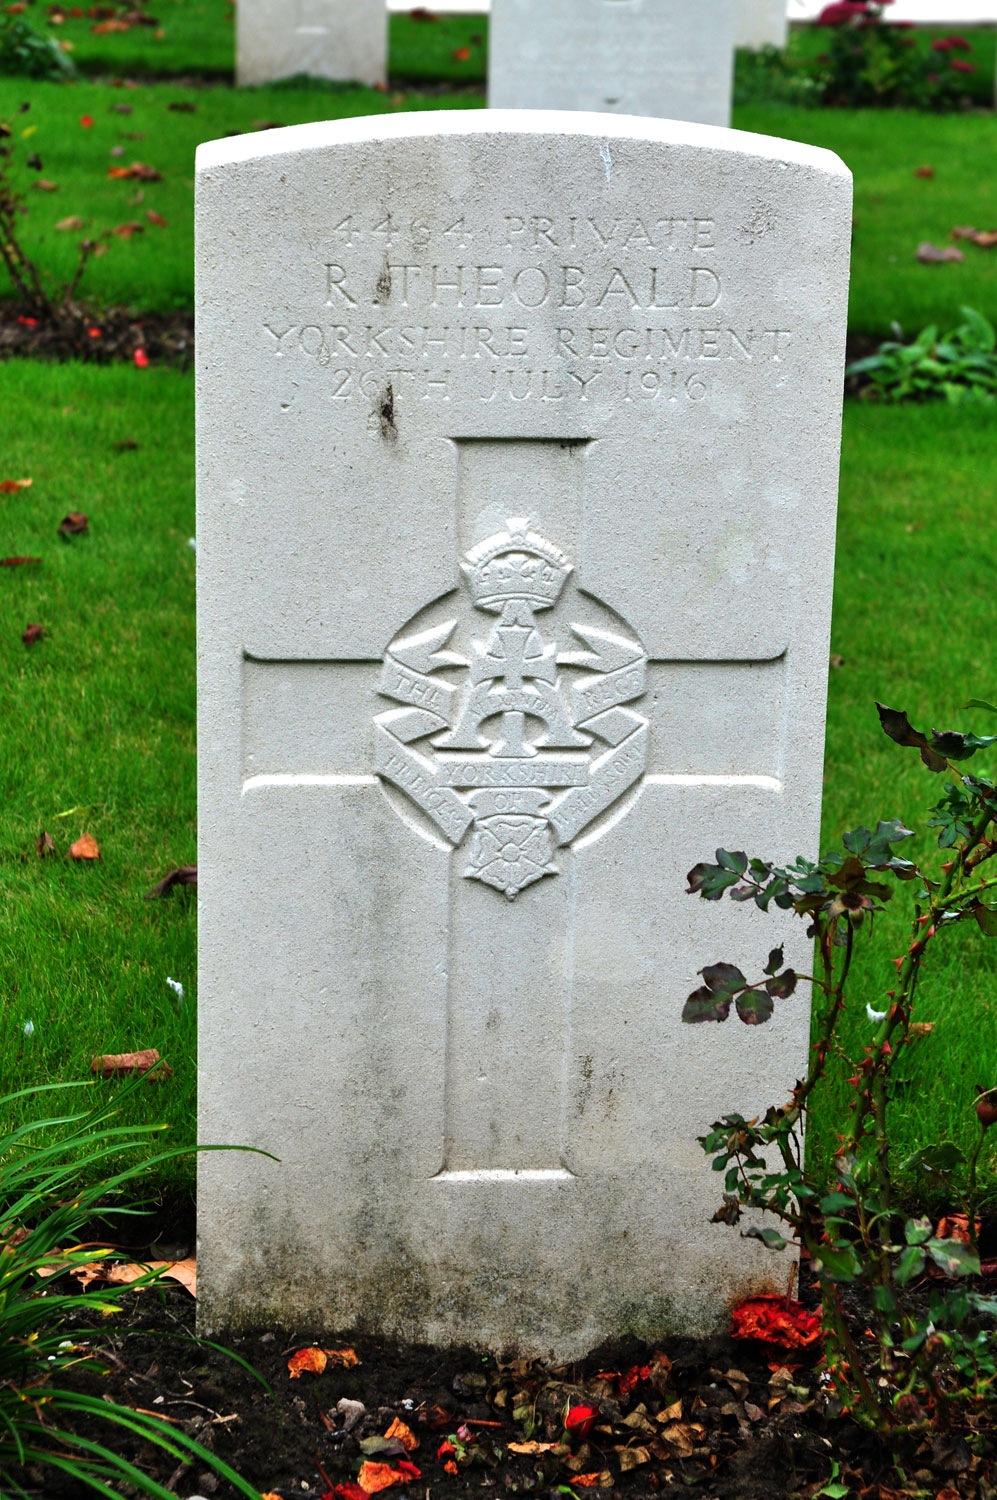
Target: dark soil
pixel 720 1417
pixel 105 336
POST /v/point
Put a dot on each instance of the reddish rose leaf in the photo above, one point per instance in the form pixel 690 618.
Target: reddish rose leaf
pixel 775 1320
pixel 31 634
pixel 45 845
pixel 73 524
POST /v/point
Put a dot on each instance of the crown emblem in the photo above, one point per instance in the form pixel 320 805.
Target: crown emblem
pixel 515 564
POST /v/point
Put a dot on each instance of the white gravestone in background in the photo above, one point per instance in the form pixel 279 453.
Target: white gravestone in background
pixel 338 39
pixel 518 440
pixel 761 23
pixel 668 58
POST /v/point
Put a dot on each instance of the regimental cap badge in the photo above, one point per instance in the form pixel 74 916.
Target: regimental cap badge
pixel 515 564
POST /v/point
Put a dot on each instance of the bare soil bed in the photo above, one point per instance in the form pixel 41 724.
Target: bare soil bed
pixel 719 1417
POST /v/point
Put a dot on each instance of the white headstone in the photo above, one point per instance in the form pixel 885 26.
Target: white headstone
pixel 668 58
pixel 338 39
pixel 518 440
pixel 761 23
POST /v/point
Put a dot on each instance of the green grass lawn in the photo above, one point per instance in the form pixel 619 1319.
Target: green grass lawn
pixel 98 721
pixel 198 37
pixel 98 726
pixel 894 210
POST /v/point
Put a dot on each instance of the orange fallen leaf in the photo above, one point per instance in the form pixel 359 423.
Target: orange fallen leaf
pixel 585 1480
pixel 125 231
pixel 73 222
pixel 157 219
pixel 955 1227
pixel 312 1360
pixel 84 848
pixel 114 1064
pixel 404 1434
pixel 11 486
pixel 139 171
pixel 461 54
pixel 375 1477
pixel 450 1467
pixel 103 28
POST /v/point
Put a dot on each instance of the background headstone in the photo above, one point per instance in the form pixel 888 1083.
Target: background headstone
pixel 667 58
pixel 518 440
pixel 761 23
pixel 338 39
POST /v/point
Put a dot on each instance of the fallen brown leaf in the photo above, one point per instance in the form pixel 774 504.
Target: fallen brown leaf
pixel 632 1458
pixel 84 848
pixel 182 107
pixel 11 486
pixel 43 185
pixel 31 634
pixel 930 255
pixel 45 844
pixel 344 1359
pixel 157 219
pixel 125 231
pixel 115 1064
pixel 530 1450
pixel 925 172
pixel 184 1271
pixel 920 1028
pixel 75 524
pixel 185 875
pixel 16 562
pixel 73 222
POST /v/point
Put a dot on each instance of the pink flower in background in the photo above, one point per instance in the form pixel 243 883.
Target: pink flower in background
pixel 963 67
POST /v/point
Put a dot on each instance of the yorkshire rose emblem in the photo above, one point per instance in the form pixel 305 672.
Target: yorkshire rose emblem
pixel 512 732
